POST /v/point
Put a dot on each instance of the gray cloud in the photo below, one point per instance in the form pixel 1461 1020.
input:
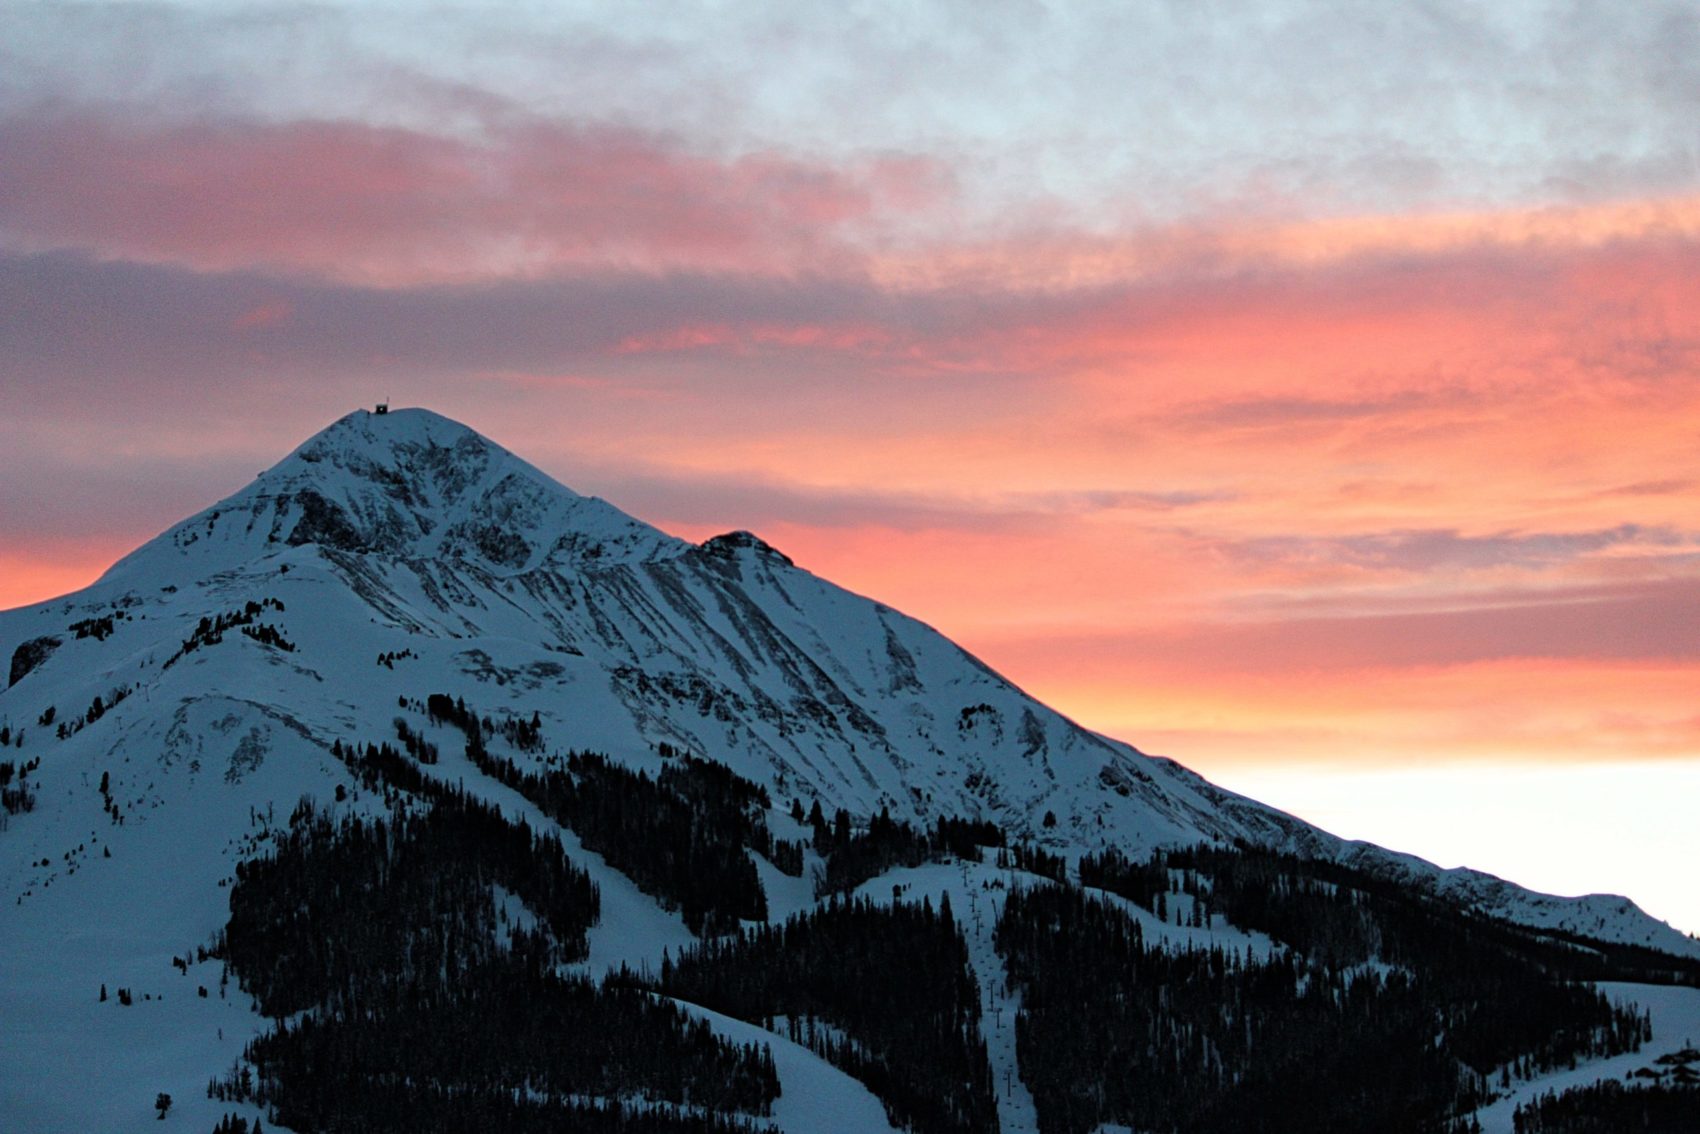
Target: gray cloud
pixel 1281 412
pixel 1447 550
pixel 53 497
pixel 1155 110
pixel 756 502
pixel 1655 620
pixel 70 323
pixel 1671 487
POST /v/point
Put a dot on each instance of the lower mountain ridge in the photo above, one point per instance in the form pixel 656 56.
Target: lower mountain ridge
pixel 405 789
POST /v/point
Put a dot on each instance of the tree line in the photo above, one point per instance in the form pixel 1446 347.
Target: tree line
pixel 886 993
pixel 854 856
pixel 1408 1008
pixel 1113 1030
pixel 1610 1107
pixel 408 999
pixel 682 836
pixel 210 631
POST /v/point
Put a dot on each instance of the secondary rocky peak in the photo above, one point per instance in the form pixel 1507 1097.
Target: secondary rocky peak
pixel 731 544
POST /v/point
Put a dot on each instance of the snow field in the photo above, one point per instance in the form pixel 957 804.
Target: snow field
pixel 1676 1024
pixel 815 1097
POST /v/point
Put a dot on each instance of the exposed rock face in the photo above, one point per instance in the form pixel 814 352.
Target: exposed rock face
pixel 31 654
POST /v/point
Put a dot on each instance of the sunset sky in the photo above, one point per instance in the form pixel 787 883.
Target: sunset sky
pixel 1307 391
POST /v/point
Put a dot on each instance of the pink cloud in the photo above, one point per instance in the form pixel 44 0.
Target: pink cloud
pixel 845 338
pixel 358 202
pixel 265 314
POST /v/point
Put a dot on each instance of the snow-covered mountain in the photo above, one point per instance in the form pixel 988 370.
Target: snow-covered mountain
pixel 184 702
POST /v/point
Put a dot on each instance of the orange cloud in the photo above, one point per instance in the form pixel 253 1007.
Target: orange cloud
pixel 1223 244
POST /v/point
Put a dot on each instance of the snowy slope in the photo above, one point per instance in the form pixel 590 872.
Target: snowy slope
pixel 403 554
pixel 816 1098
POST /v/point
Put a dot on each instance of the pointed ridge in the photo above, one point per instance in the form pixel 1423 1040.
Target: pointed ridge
pixel 410 484
pixel 364 431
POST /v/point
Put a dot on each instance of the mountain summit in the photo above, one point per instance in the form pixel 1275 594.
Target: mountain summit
pixel 407 485
pixel 401 580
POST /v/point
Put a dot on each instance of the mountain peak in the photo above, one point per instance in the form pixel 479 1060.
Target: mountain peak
pixel 375 433
pixel 409 484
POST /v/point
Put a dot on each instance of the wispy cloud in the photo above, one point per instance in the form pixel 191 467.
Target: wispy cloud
pixel 1442 549
pixel 352 201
